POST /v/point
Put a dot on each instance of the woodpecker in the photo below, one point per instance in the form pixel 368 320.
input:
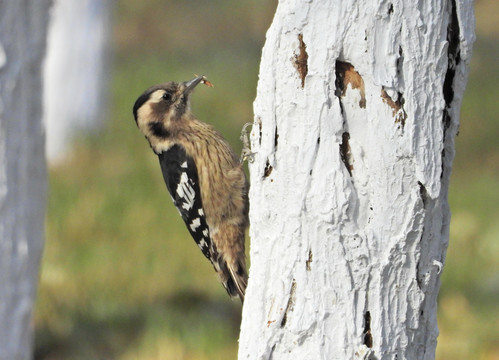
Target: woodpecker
pixel 203 176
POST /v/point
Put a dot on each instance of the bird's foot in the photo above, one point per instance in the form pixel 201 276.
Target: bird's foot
pixel 246 153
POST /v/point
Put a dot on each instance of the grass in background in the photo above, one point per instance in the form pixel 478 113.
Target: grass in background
pixel 121 277
pixel 468 312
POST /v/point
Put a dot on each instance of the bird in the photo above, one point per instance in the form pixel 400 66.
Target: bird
pixel 203 175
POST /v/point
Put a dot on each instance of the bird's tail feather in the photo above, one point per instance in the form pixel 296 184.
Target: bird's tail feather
pixel 234 278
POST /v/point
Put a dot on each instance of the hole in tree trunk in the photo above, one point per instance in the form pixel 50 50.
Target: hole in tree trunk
pixel 300 60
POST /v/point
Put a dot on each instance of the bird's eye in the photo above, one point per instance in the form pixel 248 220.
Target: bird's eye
pixel 167 96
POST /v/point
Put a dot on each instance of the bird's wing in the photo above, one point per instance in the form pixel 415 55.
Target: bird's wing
pixel 181 178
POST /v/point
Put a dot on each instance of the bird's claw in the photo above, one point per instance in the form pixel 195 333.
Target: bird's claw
pixel 246 153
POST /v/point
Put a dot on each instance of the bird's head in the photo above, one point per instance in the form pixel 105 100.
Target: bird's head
pixel 160 108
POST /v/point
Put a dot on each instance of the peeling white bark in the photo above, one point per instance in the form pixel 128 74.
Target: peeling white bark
pixel 23 27
pixel 349 214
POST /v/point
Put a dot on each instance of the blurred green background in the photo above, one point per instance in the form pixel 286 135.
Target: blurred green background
pixel 122 279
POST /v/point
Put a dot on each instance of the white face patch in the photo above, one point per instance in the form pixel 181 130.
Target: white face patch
pixel 145 112
pixel 156 96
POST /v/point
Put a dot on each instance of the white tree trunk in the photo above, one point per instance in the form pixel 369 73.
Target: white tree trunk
pixel 23 27
pixel 75 64
pixel 355 117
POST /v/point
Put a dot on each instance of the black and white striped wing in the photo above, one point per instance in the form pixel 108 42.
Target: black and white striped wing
pixel 181 178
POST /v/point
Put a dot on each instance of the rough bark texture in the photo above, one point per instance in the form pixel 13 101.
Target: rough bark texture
pixel 23 27
pixel 355 117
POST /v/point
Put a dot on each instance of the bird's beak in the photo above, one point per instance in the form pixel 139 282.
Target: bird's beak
pixel 191 84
